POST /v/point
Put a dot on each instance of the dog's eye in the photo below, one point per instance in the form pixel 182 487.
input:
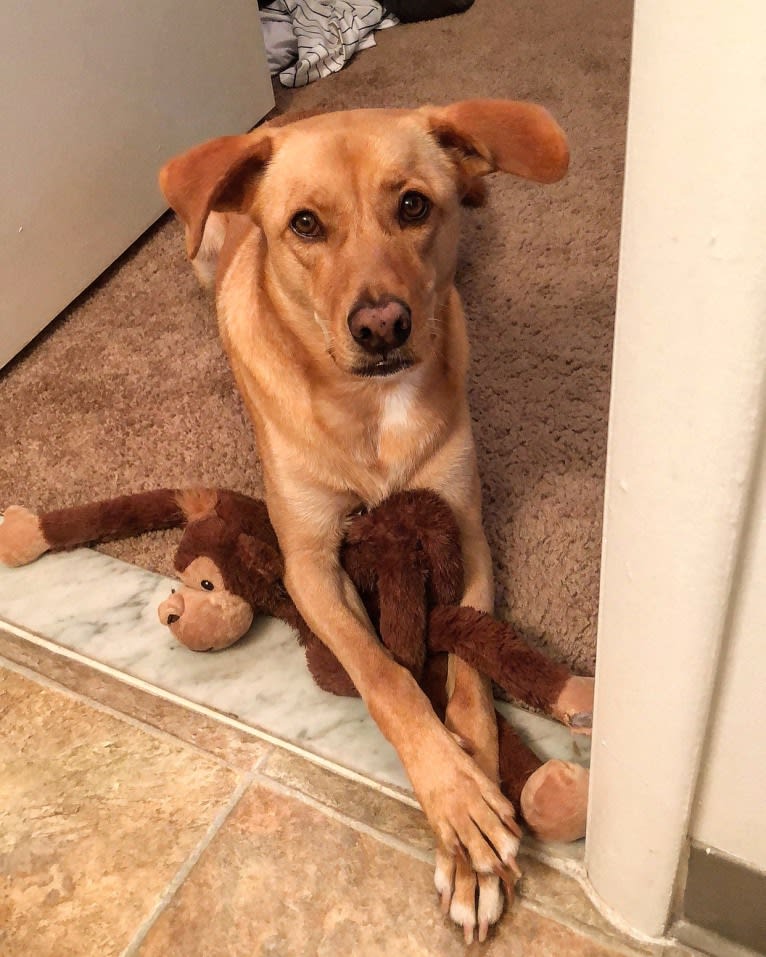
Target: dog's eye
pixel 413 207
pixel 306 225
pixel 207 585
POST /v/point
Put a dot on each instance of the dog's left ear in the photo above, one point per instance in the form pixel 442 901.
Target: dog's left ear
pixel 219 175
pixel 509 136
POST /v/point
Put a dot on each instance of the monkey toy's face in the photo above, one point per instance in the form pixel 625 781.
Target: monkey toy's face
pixel 203 614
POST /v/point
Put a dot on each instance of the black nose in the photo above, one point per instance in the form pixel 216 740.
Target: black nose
pixel 172 618
pixel 380 326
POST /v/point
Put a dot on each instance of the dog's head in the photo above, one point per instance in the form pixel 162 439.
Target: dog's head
pixel 359 212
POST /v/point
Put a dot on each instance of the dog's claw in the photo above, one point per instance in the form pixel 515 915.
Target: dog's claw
pixel 464 915
pixel 446 898
pixel 509 884
pixel 508 873
pixel 509 819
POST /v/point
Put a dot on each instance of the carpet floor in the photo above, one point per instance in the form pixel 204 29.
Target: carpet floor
pixel 129 389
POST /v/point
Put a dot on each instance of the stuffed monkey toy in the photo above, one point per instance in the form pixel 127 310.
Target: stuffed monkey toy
pixel 403 557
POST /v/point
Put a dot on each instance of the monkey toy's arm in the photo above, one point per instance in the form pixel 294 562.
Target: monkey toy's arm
pixel 24 535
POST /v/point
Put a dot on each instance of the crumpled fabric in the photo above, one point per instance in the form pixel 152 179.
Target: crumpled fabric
pixel 326 34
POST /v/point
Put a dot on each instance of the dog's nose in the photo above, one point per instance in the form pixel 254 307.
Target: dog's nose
pixel 381 326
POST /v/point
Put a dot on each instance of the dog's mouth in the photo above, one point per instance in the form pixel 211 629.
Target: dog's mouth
pixel 384 367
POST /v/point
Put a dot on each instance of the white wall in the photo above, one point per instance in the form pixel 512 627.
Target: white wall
pixel 94 97
pixel 690 354
pixel 730 806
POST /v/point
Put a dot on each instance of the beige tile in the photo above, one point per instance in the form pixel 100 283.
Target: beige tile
pixel 358 801
pixel 96 817
pixel 282 879
pixel 229 744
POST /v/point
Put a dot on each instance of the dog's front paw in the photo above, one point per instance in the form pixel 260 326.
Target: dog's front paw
pixel 473 901
pixel 21 537
pixel 477 832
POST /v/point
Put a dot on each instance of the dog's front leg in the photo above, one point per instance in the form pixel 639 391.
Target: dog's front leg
pixel 471 710
pixel 469 815
pixel 471 716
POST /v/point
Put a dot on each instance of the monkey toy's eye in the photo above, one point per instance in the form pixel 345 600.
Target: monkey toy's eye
pixel 207 585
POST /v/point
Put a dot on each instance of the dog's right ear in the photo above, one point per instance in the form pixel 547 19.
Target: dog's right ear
pixel 509 136
pixel 220 175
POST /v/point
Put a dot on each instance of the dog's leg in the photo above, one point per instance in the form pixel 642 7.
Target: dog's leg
pixel 470 715
pixel 471 710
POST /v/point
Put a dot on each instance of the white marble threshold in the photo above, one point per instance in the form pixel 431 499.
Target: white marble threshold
pixel 102 611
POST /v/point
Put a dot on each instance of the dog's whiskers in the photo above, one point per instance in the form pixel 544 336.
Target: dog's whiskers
pixel 325 327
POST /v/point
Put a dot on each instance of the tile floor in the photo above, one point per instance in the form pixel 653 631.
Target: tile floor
pixel 140 815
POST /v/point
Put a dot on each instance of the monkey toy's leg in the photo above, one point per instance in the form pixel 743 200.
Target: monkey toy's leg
pixel 551 795
pixel 493 648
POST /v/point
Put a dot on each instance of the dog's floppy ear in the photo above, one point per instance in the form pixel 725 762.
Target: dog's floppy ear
pixel 509 136
pixel 218 175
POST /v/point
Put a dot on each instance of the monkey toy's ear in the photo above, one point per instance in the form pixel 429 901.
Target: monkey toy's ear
pixel 261 570
pixel 260 558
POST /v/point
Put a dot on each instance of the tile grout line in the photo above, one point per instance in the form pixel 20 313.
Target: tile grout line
pixel 188 865
pixel 277 787
pixel 211 713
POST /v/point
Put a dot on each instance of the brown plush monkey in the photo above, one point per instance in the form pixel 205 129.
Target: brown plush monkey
pixel 403 557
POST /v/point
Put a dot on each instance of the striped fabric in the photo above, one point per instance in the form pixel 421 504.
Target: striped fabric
pixel 327 33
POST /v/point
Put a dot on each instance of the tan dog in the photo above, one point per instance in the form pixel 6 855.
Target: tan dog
pixel 333 239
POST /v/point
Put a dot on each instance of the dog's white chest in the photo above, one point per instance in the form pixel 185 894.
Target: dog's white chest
pixel 401 404
pixel 404 431
pixel 398 406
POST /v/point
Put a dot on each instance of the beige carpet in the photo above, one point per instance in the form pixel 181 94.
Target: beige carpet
pixel 129 389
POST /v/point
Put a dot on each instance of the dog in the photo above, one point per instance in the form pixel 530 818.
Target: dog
pixel 331 240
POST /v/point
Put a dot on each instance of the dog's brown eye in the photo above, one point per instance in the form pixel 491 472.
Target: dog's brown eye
pixel 207 585
pixel 306 224
pixel 413 207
